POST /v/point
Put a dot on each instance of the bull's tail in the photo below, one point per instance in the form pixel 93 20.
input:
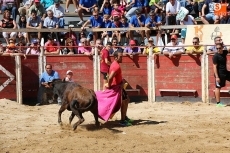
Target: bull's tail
pixel 75 105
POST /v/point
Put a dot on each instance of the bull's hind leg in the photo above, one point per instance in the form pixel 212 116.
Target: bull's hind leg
pixel 77 113
pixel 71 117
pixel 95 114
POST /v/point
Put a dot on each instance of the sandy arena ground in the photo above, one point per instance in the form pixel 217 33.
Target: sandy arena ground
pixel 159 127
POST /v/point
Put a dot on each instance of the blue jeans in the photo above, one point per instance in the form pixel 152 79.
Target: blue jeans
pixel 14 11
pixel 131 12
pixel 61 22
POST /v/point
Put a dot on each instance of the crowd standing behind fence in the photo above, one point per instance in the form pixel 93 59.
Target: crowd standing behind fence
pixel 111 14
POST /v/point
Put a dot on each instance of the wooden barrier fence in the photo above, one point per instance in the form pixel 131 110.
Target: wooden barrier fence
pixel 186 77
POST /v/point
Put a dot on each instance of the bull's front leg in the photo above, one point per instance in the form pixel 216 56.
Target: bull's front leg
pixel 62 109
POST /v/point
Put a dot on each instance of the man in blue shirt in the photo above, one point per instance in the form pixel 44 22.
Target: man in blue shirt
pixel 85 6
pixel 46 77
pixel 152 21
pixel 137 20
pixel 96 22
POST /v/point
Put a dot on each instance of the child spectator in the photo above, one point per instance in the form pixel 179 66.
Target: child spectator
pixel 116 12
pixel 106 8
pixel 106 24
pixel 22 24
pixel 69 76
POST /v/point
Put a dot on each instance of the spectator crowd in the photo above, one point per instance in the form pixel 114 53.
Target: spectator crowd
pixel 38 14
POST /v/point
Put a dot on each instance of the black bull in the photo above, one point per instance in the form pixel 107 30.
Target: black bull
pixel 77 99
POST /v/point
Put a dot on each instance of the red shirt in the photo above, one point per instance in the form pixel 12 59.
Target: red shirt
pixel 117 79
pixel 51 47
pixel 103 66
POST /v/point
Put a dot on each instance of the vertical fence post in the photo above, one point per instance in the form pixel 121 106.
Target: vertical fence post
pixel 207 76
pixel 18 79
pixel 41 62
pixel 96 68
pixel 150 73
pixel 203 76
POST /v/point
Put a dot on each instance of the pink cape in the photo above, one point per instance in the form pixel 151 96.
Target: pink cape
pixel 109 102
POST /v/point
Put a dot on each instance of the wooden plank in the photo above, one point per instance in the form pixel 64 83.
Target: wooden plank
pixel 175 90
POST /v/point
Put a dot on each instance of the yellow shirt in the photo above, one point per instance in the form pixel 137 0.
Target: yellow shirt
pixel 155 50
pixel 200 49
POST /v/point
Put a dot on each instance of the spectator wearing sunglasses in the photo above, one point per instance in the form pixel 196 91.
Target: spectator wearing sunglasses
pixel 34 48
pixel 196 48
pixel 96 21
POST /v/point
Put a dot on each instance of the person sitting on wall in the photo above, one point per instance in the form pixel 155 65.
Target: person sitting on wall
pixel 212 49
pixel 173 48
pixel 48 76
pixel 196 48
pixel 51 46
pixel 132 49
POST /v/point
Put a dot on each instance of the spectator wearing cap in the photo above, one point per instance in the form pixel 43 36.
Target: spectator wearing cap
pixel 196 48
pixel 10 5
pixel 58 12
pixel 69 76
pixel 34 48
pixel 172 8
pixel 173 48
pixel 8 23
pixel 51 47
pixel 132 49
pixel 96 22
pixel 39 8
pixel 137 20
pixel 132 7
pixel 24 9
pixel 150 45
pixel 47 3
pixel 152 21
pixel 85 48
pixel 85 6
pixel 205 18
pixel 34 22
pixel 188 20
pixel 69 49
pixel 106 8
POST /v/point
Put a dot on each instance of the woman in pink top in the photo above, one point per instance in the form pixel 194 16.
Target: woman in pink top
pixel 34 48
pixel 84 49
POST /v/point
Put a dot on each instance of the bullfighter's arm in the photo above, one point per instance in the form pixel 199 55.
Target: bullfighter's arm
pixel 110 78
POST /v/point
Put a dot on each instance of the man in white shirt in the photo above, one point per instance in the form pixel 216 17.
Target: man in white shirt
pixel 58 12
pixel 173 48
pixel 172 8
